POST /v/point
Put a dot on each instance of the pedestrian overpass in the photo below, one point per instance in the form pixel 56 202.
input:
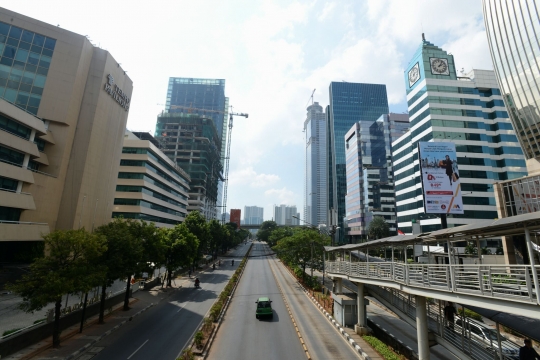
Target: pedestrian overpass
pixel 512 289
pixel 256 227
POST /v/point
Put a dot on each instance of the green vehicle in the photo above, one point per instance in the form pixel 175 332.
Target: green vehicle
pixel 264 308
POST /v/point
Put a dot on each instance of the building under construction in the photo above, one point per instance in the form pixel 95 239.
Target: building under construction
pixel 192 142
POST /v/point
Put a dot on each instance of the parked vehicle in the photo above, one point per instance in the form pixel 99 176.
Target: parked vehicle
pixel 480 332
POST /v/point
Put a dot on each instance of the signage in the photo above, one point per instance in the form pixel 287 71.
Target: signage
pixel 116 93
pixel 440 178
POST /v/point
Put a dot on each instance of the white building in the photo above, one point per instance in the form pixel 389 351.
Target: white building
pixel 253 215
pixel 283 215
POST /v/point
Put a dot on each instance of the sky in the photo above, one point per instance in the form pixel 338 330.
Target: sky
pixel 272 54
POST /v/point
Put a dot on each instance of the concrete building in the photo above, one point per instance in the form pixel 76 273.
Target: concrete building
pixel 349 103
pixel 63 110
pixel 286 215
pixel 467 110
pixel 150 186
pixel 512 33
pixel 253 215
pixel 205 97
pixel 370 180
pixel 315 187
pixel 191 141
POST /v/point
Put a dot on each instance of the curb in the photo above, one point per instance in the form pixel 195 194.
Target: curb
pixel 108 332
pixel 353 343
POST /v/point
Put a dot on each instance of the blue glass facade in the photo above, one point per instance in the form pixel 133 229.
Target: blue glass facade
pixel 349 103
pixel 24 65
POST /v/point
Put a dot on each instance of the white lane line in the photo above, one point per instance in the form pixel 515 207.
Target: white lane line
pixel 139 348
pixel 181 308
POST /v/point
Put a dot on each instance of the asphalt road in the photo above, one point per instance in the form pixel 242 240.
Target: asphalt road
pixel 241 335
pixel 165 329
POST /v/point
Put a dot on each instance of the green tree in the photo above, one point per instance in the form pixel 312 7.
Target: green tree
pixel 304 247
pixel 378 228
pixel 70 265
pixel 266 230
pixel 122 258
pixel 218 235
pixel 180 249
pixel 196 223
pixel 470 249
pixel 278 234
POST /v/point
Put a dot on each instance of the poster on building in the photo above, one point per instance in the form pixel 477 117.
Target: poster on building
pixel 235 216
pixel 440 178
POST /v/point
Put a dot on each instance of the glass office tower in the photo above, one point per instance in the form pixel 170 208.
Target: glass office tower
pixel 467 110
pixel 513 28
pixel 349 103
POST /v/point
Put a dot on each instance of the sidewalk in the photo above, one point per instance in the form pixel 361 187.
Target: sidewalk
pixel 72 341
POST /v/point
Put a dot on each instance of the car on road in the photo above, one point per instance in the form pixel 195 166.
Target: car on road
pixel 264 308
pixel 488 337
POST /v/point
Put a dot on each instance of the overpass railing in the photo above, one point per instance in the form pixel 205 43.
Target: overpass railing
pixel 513 282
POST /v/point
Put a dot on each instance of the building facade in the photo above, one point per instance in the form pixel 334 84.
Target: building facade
pixel 253 215
pixel 150 186
pixel 512 30
pixel 191 142
pixel 205 97
pixel 63 110
pixel 349 103
pixel 286 215
pixel 236 217
pixel 468 111
pixel 370 180
pixel 315 189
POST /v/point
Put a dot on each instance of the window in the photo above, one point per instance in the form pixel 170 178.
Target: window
pixel 32 165
pixel 9 214
pixel 14 127
pixel 8 184
pixel 11 156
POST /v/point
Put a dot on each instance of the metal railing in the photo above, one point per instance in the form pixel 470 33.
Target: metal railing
pixel 512 282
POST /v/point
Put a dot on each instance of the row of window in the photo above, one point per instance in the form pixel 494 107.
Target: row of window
pixel 467 214
pixel 126 175
pixel 14 127
pixel 145 217
pixel 128 150
pixel 8 184
pixel 138 202
pixel 9 214
pixel 129 188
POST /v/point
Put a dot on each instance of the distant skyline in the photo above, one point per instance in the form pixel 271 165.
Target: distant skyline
pixel 272 54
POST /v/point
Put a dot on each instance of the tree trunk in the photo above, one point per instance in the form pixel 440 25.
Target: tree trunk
pixel 102 304
pixel 83 311
pixel 126 298
pixel 169 278
pixel 56 329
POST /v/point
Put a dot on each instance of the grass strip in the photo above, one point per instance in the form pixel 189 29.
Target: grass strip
pixel 383 349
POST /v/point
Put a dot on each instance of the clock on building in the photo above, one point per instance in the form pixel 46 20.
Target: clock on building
pixel 414 75
pixel 439 66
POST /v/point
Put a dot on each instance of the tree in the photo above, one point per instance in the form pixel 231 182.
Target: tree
pixel 197 225
pixel 69 266
pixel 217 236
pixel 378 228
pixel 180 249
pixel 278 234
pixel 266 230
pixel 122 258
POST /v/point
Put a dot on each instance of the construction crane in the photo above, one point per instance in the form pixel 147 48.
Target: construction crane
pixel 227 158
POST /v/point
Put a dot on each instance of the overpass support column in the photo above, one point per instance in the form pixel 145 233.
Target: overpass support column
pixel 361 327
pixel 422 328
pixel 338 285
pixel 532 262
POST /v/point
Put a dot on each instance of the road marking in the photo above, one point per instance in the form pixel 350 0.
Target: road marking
pixel 139 348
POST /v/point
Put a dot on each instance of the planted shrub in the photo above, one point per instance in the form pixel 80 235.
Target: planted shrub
pixel 199 337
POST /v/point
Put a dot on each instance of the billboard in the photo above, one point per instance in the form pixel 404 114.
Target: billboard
pixel 235 216
pixel 440 178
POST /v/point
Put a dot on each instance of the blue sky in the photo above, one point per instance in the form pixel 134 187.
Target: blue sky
pixel 272 54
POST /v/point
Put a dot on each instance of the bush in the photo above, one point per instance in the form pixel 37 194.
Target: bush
pixel 7 332
pixel 199 337
pixel 381 348
pixel 471 314
pixel 187 354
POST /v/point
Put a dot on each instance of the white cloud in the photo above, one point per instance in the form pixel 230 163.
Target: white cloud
pixel 248 176
pixel 283 195
pixel 326 11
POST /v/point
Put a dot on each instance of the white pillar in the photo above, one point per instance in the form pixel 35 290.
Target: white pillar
pixel 422 328
pixel 361 327
pixel 339 285
pixel 532 262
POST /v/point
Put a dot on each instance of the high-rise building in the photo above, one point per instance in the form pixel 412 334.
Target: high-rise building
pixel 236 216
pixel 349 103
pixel 205 97
pixel 253 215
pixel 63 110
pixel 286 215
pixel 191 141
pixel 315 206
pixel 467 110
pixel 370 180
pixel 512 30
pixel 150 186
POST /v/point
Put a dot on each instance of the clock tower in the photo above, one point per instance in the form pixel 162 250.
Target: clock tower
pixel 431 62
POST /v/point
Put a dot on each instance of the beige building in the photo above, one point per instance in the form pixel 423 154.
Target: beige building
pixel 63 110
pixel 150 186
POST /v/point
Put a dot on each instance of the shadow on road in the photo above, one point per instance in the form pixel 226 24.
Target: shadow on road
pixel 274 318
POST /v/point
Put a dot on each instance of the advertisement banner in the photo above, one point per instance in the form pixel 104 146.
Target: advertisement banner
pixel 235 216
pixel 440 178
